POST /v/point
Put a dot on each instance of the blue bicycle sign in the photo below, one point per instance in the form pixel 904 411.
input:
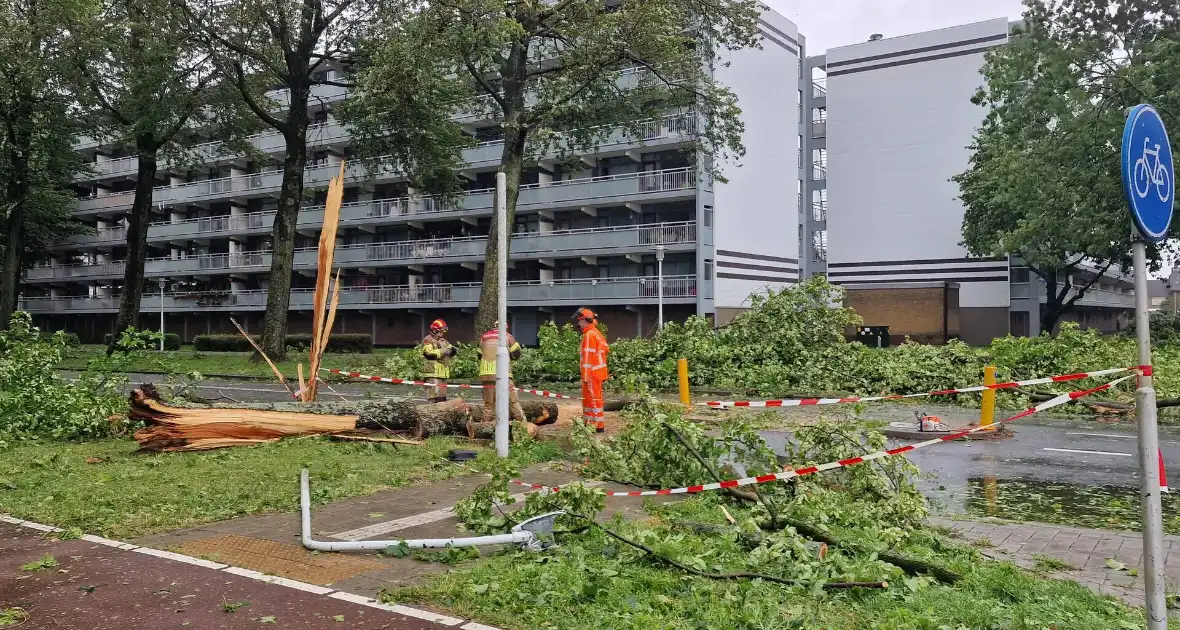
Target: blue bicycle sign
pixel 1148 175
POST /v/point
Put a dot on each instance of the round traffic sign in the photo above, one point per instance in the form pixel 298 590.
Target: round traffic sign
pixel 1148 177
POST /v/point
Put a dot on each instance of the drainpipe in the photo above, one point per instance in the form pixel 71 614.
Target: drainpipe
pixel 528 534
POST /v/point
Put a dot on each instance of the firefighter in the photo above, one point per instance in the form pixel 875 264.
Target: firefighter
pixel 438 353
pixel 593 367
pixel 488 343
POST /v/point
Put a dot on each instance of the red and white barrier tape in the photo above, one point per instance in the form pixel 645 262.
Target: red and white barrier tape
pixel 810 470
pixel 803 402
pixel 406 381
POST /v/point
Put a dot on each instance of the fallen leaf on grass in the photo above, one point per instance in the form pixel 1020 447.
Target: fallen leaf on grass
pixel 95 460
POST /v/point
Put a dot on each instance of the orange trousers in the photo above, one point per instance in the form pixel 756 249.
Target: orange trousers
pixel 592 404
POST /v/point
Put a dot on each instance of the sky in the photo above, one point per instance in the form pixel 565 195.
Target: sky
pixel 831 23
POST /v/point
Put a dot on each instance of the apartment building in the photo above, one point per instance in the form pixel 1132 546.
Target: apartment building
pixel 890 123
pixel 586 236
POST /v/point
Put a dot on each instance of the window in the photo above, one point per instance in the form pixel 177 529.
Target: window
pixel 1019 274
pixel 708 216
pixel 708 269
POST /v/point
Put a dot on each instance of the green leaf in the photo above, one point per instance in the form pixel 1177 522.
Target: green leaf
pixel 338 618
pixel 267 619
pixel 1111 563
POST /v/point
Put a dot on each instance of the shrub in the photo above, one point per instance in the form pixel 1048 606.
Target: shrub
pixel 38 403
pixel 338 342
pixel 71 339
pixel 171 341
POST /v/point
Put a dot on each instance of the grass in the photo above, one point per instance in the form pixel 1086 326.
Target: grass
pixel 13 616
pixel 188 360
pixel 130 495
pixel 583 584
pixel 45 562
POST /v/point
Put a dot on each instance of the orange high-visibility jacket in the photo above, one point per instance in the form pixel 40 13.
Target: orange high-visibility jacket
pixel 594 351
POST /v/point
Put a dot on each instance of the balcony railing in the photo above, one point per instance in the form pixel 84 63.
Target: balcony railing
pixel 524 245
pixel 819 128
pixel 676 288
pixel 819 172
pixel 819 212
pixel 819 88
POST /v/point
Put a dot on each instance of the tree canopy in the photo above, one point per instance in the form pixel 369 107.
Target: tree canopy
pixel 1044 182
pixel 554 78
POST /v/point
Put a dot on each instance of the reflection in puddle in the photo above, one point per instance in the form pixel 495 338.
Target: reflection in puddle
pixel 1110 507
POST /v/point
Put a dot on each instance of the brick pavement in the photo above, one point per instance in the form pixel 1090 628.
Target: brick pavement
pixel 1085 550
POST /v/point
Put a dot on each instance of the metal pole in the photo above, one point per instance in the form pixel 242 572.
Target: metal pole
pixel 161 316
pixel 1153 556
pixel 660 283
pixel 502 361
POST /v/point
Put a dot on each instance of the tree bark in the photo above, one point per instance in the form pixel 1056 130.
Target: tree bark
pixel 282 259
pixel 512 164
pixel 16 193
pixel 137 229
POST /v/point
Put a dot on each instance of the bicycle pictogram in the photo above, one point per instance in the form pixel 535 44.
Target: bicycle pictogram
pixel 1152 171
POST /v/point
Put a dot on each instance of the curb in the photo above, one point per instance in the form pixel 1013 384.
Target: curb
pixel 313 589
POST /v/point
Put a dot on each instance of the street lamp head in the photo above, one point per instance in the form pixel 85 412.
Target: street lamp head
pixel 660 252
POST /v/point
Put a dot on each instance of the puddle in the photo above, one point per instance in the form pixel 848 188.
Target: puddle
pixel 1108 507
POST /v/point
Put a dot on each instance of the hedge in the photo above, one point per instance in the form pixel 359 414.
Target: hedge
pixel 72 339
pixel 339 342
pixel 171 341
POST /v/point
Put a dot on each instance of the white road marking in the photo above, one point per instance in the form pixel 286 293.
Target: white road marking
pixel 1105 435
pixel 397 525
pixel 1070 450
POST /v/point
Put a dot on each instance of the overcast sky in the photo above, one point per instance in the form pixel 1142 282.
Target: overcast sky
pixel 831 23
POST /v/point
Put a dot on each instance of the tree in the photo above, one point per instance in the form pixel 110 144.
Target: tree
pixel 560 77
pixel 1044 181
pixel 37 158
pixel 145 82
pixel 293 43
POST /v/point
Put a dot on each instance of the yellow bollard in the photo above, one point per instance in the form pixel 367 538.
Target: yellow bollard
pixel 987 406
pixel 682 371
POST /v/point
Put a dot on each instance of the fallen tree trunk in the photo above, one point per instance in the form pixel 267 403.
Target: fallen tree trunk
pixel 487 430
pixel 187 427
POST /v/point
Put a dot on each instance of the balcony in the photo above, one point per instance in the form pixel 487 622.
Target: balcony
pixel 270 142
pixel 819 172
pixel 819 128
pixel 565 243
pixel 591 191
pixel 319 93
pixel 676 290
pixel 819 88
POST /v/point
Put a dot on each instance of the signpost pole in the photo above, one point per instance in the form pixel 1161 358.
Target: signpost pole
pixel 1153 542
pixel 1149 182
pixel 502 359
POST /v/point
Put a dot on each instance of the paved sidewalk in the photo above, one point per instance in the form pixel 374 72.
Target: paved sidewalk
pixel 99 584
pixel 1085 550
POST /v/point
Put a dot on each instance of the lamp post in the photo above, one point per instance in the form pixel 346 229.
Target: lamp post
pixel 660 286
pixel 502 359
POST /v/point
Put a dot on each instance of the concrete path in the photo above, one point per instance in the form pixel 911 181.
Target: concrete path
pixel 270 543
pixel 1085 550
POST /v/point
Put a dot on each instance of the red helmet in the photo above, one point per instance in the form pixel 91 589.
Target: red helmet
pixel 438 326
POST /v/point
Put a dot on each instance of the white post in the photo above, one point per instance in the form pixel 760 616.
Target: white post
pixel 660 286
pixel 502 360
pixel 1149 465
pixel 161 315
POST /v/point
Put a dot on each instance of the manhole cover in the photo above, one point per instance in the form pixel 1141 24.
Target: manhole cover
pixel 289 561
